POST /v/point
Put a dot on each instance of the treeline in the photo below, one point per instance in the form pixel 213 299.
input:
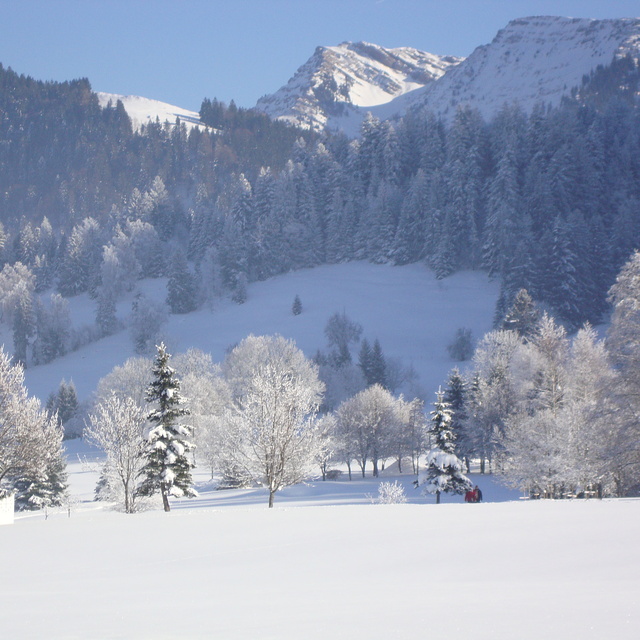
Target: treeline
pixel 64 157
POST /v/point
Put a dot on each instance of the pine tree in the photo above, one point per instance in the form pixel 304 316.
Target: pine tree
pixel 23 327
pixel 444 472
pixel 523 316
pixel 106 312
pixel 167 470
pixel 296 308
pixel 364 360
pixel 378 366
pixel 46 490
pixel 181 287
pixel 455 395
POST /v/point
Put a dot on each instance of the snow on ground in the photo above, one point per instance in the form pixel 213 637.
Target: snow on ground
pixel 324 562
pixel 413 315
pixel 142 111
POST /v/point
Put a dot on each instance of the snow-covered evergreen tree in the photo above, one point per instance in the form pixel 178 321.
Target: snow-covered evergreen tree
pixel 168 468
pixel 444 473
pixel 523 316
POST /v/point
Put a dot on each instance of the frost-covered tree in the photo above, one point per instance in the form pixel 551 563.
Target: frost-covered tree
pixel 117 426
pixel 444 473
pixel 17 282
pixel 369 422
pixel 53 329
pixel 64 405
pixel 167 468
pixel 209 398
pixel 341 331
pixel 128 380
pixel 80 266
pixel 624 349
pixel 523 315
pixel 29 438
pixel 146 320
pixel 23 327
pixel 273 434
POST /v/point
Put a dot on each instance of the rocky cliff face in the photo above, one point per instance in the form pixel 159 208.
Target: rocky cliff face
pixel 532 60
pixel 337 86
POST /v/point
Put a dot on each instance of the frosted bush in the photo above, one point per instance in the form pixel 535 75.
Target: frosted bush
pixel 391 493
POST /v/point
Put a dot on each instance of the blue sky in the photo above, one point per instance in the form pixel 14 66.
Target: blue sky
pixel 181 51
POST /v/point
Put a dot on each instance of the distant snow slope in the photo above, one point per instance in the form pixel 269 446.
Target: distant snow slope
pixel 531 60
pixel 412 314
pixel 337 86
pixel 144 110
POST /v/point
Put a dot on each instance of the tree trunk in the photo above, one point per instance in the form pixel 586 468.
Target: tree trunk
pixel 165 499
pixel 437 497
pixel 272 493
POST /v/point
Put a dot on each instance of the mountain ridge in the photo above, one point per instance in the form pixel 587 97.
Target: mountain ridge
pixel 337 85
pixel 536 59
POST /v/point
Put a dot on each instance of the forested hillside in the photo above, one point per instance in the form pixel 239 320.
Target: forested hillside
pixel 546 202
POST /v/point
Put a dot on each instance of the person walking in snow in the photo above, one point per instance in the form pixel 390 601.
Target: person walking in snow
pixel 477 494
pixel 470 496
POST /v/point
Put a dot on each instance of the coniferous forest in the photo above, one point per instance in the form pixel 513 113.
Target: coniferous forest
pixel 546 201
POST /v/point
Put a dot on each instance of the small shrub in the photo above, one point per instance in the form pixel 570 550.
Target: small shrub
pixel 391 493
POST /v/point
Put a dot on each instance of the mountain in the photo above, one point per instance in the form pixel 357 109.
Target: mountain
pixel 144 110
pixel 336 87
pixel 532 60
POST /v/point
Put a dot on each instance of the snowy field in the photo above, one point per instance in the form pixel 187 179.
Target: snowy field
pixel 323 563
pixel 413 315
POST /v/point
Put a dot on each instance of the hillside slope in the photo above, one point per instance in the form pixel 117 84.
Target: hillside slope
pixel 412 314
pixel 532 60
pixel 142 111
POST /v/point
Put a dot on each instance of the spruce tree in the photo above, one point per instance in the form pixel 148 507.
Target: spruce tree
pixel 364 360
pixel 444 471
pixel 378 366
pixel 455 394
pixel 296 308
pixel 167 470
pixel 181 287
pixel 523 316
pixel 106 312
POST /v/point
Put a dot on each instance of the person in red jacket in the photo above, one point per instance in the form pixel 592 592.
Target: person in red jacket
pixel 470 496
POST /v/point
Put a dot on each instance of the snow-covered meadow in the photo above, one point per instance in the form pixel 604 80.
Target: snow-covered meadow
pixel 326 561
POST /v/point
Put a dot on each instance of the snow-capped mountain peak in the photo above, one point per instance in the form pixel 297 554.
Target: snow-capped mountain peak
pixel 532 60
pixel 339 84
